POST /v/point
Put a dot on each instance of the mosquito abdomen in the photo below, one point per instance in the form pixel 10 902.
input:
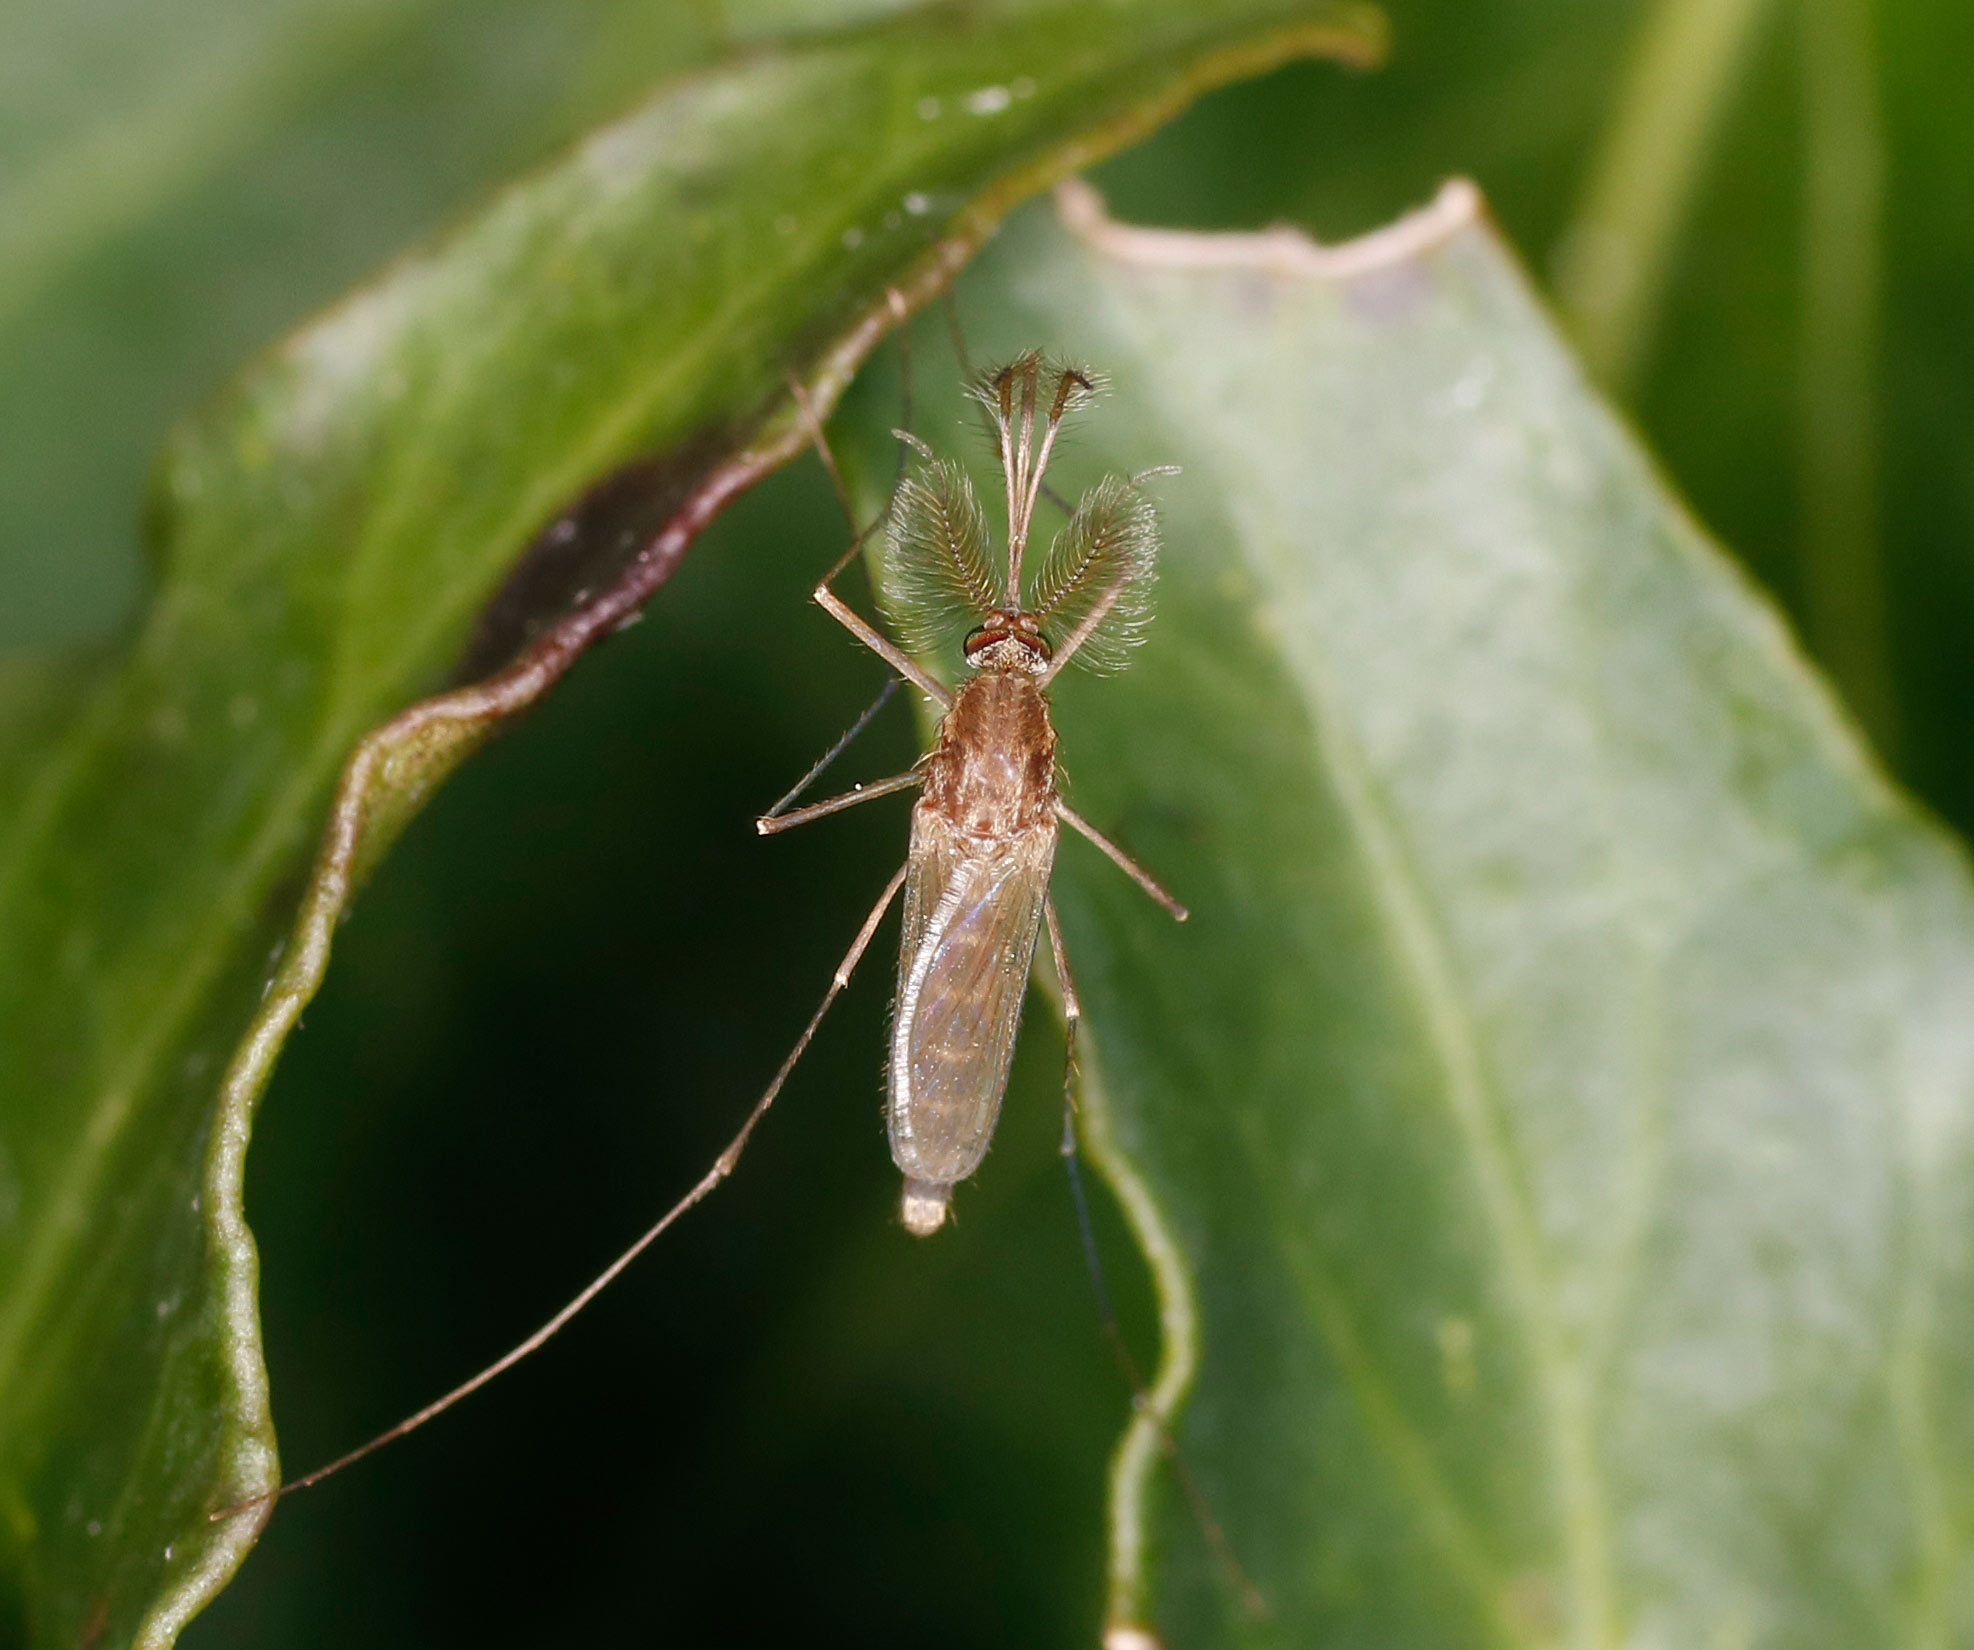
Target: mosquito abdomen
pixel 983 842
pixel 972 913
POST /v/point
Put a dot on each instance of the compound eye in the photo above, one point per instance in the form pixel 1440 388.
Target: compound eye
pixel 988 645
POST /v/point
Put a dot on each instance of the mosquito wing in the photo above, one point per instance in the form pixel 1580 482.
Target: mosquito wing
pixel 972 911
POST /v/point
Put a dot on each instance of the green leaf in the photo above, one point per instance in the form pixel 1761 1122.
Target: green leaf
pixel 180 182
pixel 1551 1134
pixel 337 535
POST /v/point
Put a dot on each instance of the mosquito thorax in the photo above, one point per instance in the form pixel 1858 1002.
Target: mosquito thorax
pixel 1008 643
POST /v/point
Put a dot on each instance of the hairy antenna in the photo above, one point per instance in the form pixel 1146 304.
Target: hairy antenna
pixel 938 580
pixel 1094 590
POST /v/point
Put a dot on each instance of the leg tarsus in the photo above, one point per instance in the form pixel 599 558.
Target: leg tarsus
pixel 723 1165
pixel 1141 1402
pixel 826 598
pixel 823 763
pixel 880 644
pixel 1072 1017
pixel 1123 861
pixel 771 824
pixel 957 332
pixel 806 408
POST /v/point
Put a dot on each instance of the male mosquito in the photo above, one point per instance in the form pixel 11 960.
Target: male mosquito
pixel 983 839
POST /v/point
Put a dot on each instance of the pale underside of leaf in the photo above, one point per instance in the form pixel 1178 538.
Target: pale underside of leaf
pixel 1549 1134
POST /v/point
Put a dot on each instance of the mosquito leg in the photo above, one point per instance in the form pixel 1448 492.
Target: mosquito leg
pixel 1072 1017
pixel 771 824
pixel 819 439
pixel 822 764
pixel 826 598
pixel 1118 857
pixel 882 645
pixel 900 315
pixel 904 393
pixel 723 1165
pixel 957 331
pixel 1141 1401
pixel 1085 628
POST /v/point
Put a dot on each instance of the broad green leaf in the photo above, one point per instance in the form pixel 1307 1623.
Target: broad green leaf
pixel 337 535
pixel 1551 1132
pixel 1806 385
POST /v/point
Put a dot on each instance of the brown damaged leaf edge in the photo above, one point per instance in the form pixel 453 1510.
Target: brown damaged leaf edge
pixel 395 768
pixel 1289 255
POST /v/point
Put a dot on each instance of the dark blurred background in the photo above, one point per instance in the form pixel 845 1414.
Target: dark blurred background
pixel 579 966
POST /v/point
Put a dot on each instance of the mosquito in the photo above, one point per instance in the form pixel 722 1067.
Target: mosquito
pixel 984 828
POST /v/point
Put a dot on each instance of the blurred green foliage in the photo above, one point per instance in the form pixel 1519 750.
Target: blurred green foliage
pixel 466 1123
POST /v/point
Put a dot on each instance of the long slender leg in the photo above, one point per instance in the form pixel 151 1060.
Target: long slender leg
pixel 723 1166
pixel 821 766
pixel 904 386
pixel 819 439
pixel 770 824
pixel 874 639
pixel 1141 1401
pixel 900 315
pixel 957 332
pixel 833 604
pixel 1085 628
pixel 1072 1017
pixel 1118 857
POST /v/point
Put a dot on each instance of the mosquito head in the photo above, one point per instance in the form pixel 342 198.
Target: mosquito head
pixel 1010 642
